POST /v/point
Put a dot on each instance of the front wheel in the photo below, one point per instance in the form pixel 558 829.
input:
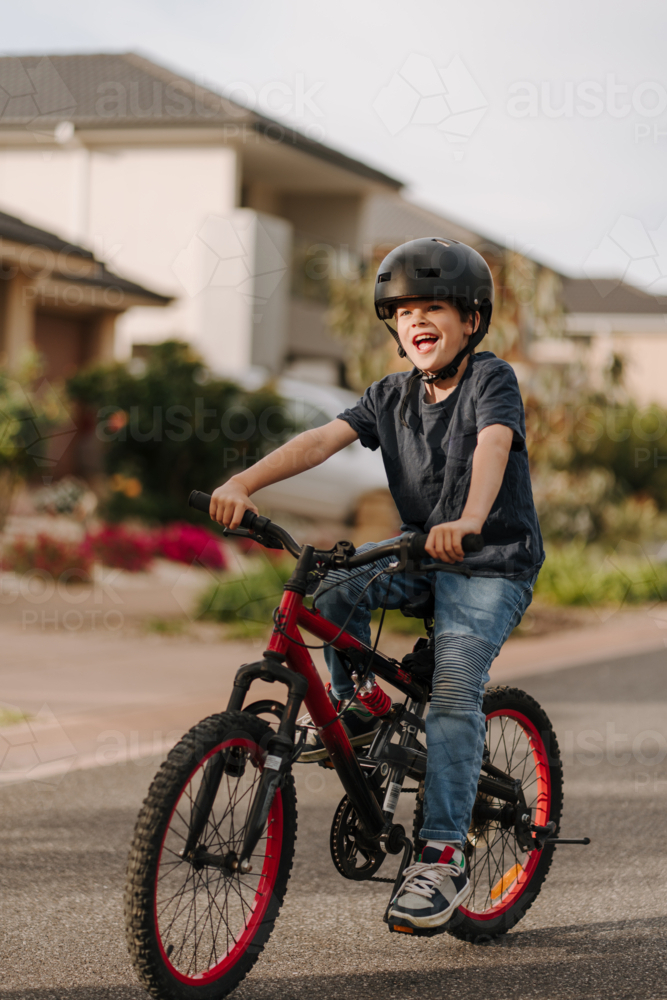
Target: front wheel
pixel 195 923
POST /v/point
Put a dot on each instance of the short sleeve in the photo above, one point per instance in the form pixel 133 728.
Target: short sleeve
pixel 499 402
pixel 362 418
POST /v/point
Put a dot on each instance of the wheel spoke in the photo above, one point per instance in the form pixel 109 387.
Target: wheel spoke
pixel 202 913
pixel 496 863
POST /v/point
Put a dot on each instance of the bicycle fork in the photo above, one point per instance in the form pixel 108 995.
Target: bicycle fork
pixel 279 756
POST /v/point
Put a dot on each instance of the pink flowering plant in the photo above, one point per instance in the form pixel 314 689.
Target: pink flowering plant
pixel 187 543
pixel 54 556
pixel 117 546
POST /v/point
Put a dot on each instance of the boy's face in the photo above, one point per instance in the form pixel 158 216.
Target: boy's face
pixel 431 332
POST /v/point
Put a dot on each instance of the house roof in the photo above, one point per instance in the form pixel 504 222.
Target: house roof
pixel 608 295
pixel 13 228
pixel 18 231
pixel 126 90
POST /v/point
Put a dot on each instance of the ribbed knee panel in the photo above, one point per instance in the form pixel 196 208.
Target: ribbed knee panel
pixel 461 665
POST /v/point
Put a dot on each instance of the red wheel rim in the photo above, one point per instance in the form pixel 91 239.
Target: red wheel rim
pixel 519 880
pixel 265 884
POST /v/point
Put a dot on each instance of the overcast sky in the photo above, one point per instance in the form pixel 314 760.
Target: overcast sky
pixel 459 100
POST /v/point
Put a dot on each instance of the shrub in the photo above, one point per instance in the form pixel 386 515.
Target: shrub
pixel 30 413
pixel 589 505
pixel 574 574
pixel 116 546
pixel 185 543
pixel 248 600
pixel 50 555
pixel 173 427
pixel 630 441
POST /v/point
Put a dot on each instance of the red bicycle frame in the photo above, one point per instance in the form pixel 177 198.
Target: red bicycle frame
pixel 287 645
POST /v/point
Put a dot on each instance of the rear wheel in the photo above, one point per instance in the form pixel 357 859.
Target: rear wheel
pixel 196 924
pixel 506 878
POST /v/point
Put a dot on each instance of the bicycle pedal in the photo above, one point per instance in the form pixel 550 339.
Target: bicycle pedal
pixel 397 926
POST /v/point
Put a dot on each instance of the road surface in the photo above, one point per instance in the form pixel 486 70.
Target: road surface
pixel 598 929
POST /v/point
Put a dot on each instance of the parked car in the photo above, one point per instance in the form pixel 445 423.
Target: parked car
pixel 335 488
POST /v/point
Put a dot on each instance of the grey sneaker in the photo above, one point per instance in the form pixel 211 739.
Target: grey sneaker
pixel 432 889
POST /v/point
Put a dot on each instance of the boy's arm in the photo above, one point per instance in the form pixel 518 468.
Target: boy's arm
pixel 489 461
pixel 230 501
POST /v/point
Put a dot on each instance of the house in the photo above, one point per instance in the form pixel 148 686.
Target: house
pixel 185 192
pixel 612 324
pixel 58 299
pixel 239 221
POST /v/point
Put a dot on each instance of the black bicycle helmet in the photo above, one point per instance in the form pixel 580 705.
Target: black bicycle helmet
pixel 438 268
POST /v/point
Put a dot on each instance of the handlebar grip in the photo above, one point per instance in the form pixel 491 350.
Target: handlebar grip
pixel 469 543
pixel 418 547
pixel 472 543
pixel 248 519
pixel 200 501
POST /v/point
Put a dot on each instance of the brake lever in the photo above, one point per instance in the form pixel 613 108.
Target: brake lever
pixel 255 536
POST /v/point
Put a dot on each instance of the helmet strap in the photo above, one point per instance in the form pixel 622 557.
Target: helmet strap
pixel 452 368
pixel 448 372
pixel 401 352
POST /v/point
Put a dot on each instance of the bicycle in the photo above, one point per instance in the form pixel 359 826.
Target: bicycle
pixel 214 841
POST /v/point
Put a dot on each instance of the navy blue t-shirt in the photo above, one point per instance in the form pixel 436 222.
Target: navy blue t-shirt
pixel 429 461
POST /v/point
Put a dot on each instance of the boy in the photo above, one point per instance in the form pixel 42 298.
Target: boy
pixel 452 436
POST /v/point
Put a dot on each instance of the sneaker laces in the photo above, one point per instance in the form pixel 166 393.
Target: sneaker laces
pixel 425 877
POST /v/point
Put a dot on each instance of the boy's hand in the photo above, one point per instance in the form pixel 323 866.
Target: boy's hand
pixel 444 540
pixel 229 503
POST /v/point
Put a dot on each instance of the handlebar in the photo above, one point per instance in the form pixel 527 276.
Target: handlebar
pixel 253 526
pixel 271 535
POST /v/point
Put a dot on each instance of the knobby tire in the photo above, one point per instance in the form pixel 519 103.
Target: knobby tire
pixel 194 930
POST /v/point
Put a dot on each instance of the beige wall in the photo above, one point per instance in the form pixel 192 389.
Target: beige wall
pixel 645 357
pixel 136 208
pixel 46 188
pixel 641 340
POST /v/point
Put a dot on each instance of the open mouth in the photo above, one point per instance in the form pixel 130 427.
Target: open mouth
pixel 424 342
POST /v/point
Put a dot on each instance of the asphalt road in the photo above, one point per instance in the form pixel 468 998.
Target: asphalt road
pixel 598 929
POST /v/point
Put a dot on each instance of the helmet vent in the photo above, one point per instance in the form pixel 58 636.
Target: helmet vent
pixel 427 272
pixel 384 277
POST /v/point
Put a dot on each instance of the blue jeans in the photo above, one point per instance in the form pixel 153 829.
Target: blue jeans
pixel 473 617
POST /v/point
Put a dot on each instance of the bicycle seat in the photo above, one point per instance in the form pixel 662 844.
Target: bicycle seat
pixel 421 606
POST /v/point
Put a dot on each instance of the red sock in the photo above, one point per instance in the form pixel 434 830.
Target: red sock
pixel 376 700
